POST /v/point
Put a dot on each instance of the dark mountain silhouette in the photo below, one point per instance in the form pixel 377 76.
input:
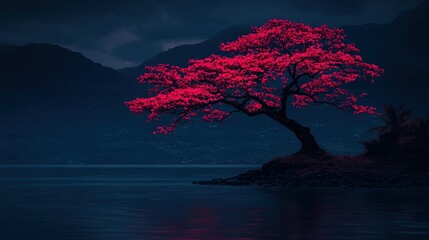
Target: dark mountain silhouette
pixel 52 73
pixel 181 54
pixel 401 48
pixel 403 41
pixel 58 106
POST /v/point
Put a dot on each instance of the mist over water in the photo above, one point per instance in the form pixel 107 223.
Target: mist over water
pixel 159 202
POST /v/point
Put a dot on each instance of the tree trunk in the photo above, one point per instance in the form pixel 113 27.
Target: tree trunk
pixel 309 146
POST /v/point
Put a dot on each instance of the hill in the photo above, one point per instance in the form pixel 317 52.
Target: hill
pixel 401 48
pixel 181 54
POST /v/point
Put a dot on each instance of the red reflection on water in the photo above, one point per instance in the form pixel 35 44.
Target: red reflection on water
pixel 207 223
pixel 300 218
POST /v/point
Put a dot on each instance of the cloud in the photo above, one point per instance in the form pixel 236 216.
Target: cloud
pixel 118 38
pixel 330 7
pixel 107 59
pixel 171 43
pixel 121 33
pixel 103 57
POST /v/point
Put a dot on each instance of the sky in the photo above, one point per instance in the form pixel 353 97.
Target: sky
pixel 121 34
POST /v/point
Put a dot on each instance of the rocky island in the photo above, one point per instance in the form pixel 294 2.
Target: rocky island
pixel 330 171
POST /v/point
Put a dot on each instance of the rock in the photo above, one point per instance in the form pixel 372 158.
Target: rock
pixel 233 181
pixel 335 172
pixel 311 175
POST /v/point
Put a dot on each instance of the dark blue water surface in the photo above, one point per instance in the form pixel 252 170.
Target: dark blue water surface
pixel 152 202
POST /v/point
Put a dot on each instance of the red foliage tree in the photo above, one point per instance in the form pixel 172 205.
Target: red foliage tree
pixel 259 73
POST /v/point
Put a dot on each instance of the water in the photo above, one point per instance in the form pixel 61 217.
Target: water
pixel 152 202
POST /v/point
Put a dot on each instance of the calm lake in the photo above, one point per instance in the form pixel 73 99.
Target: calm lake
pixel 153 202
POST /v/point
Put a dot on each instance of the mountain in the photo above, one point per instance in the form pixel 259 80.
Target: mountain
pixel 181 54
pixel 58 106
pixel 401 48
pixel 403 41
pixel 53 73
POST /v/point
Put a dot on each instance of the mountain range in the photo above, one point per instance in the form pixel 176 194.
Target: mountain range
pixel 60 107
pixel 401 48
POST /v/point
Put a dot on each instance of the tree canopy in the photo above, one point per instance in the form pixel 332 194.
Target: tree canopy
pixel 261 73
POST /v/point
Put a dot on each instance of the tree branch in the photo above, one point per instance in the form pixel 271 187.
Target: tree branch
pixel 315 100
pixel 241 107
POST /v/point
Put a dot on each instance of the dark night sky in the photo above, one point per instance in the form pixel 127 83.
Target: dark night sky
pixel 124 33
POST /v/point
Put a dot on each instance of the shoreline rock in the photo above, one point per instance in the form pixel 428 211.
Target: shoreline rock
pixel 327 172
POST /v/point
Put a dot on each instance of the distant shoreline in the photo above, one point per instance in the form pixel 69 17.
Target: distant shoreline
pixel 129 165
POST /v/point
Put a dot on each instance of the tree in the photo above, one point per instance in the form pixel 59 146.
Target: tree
pixel 395 121
pixel 261 73
pixel 397 125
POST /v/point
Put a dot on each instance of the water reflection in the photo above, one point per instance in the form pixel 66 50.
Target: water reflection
pixel 306 214
pixel 160 204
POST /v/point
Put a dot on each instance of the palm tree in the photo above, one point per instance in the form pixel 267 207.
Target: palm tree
pixel 396 121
